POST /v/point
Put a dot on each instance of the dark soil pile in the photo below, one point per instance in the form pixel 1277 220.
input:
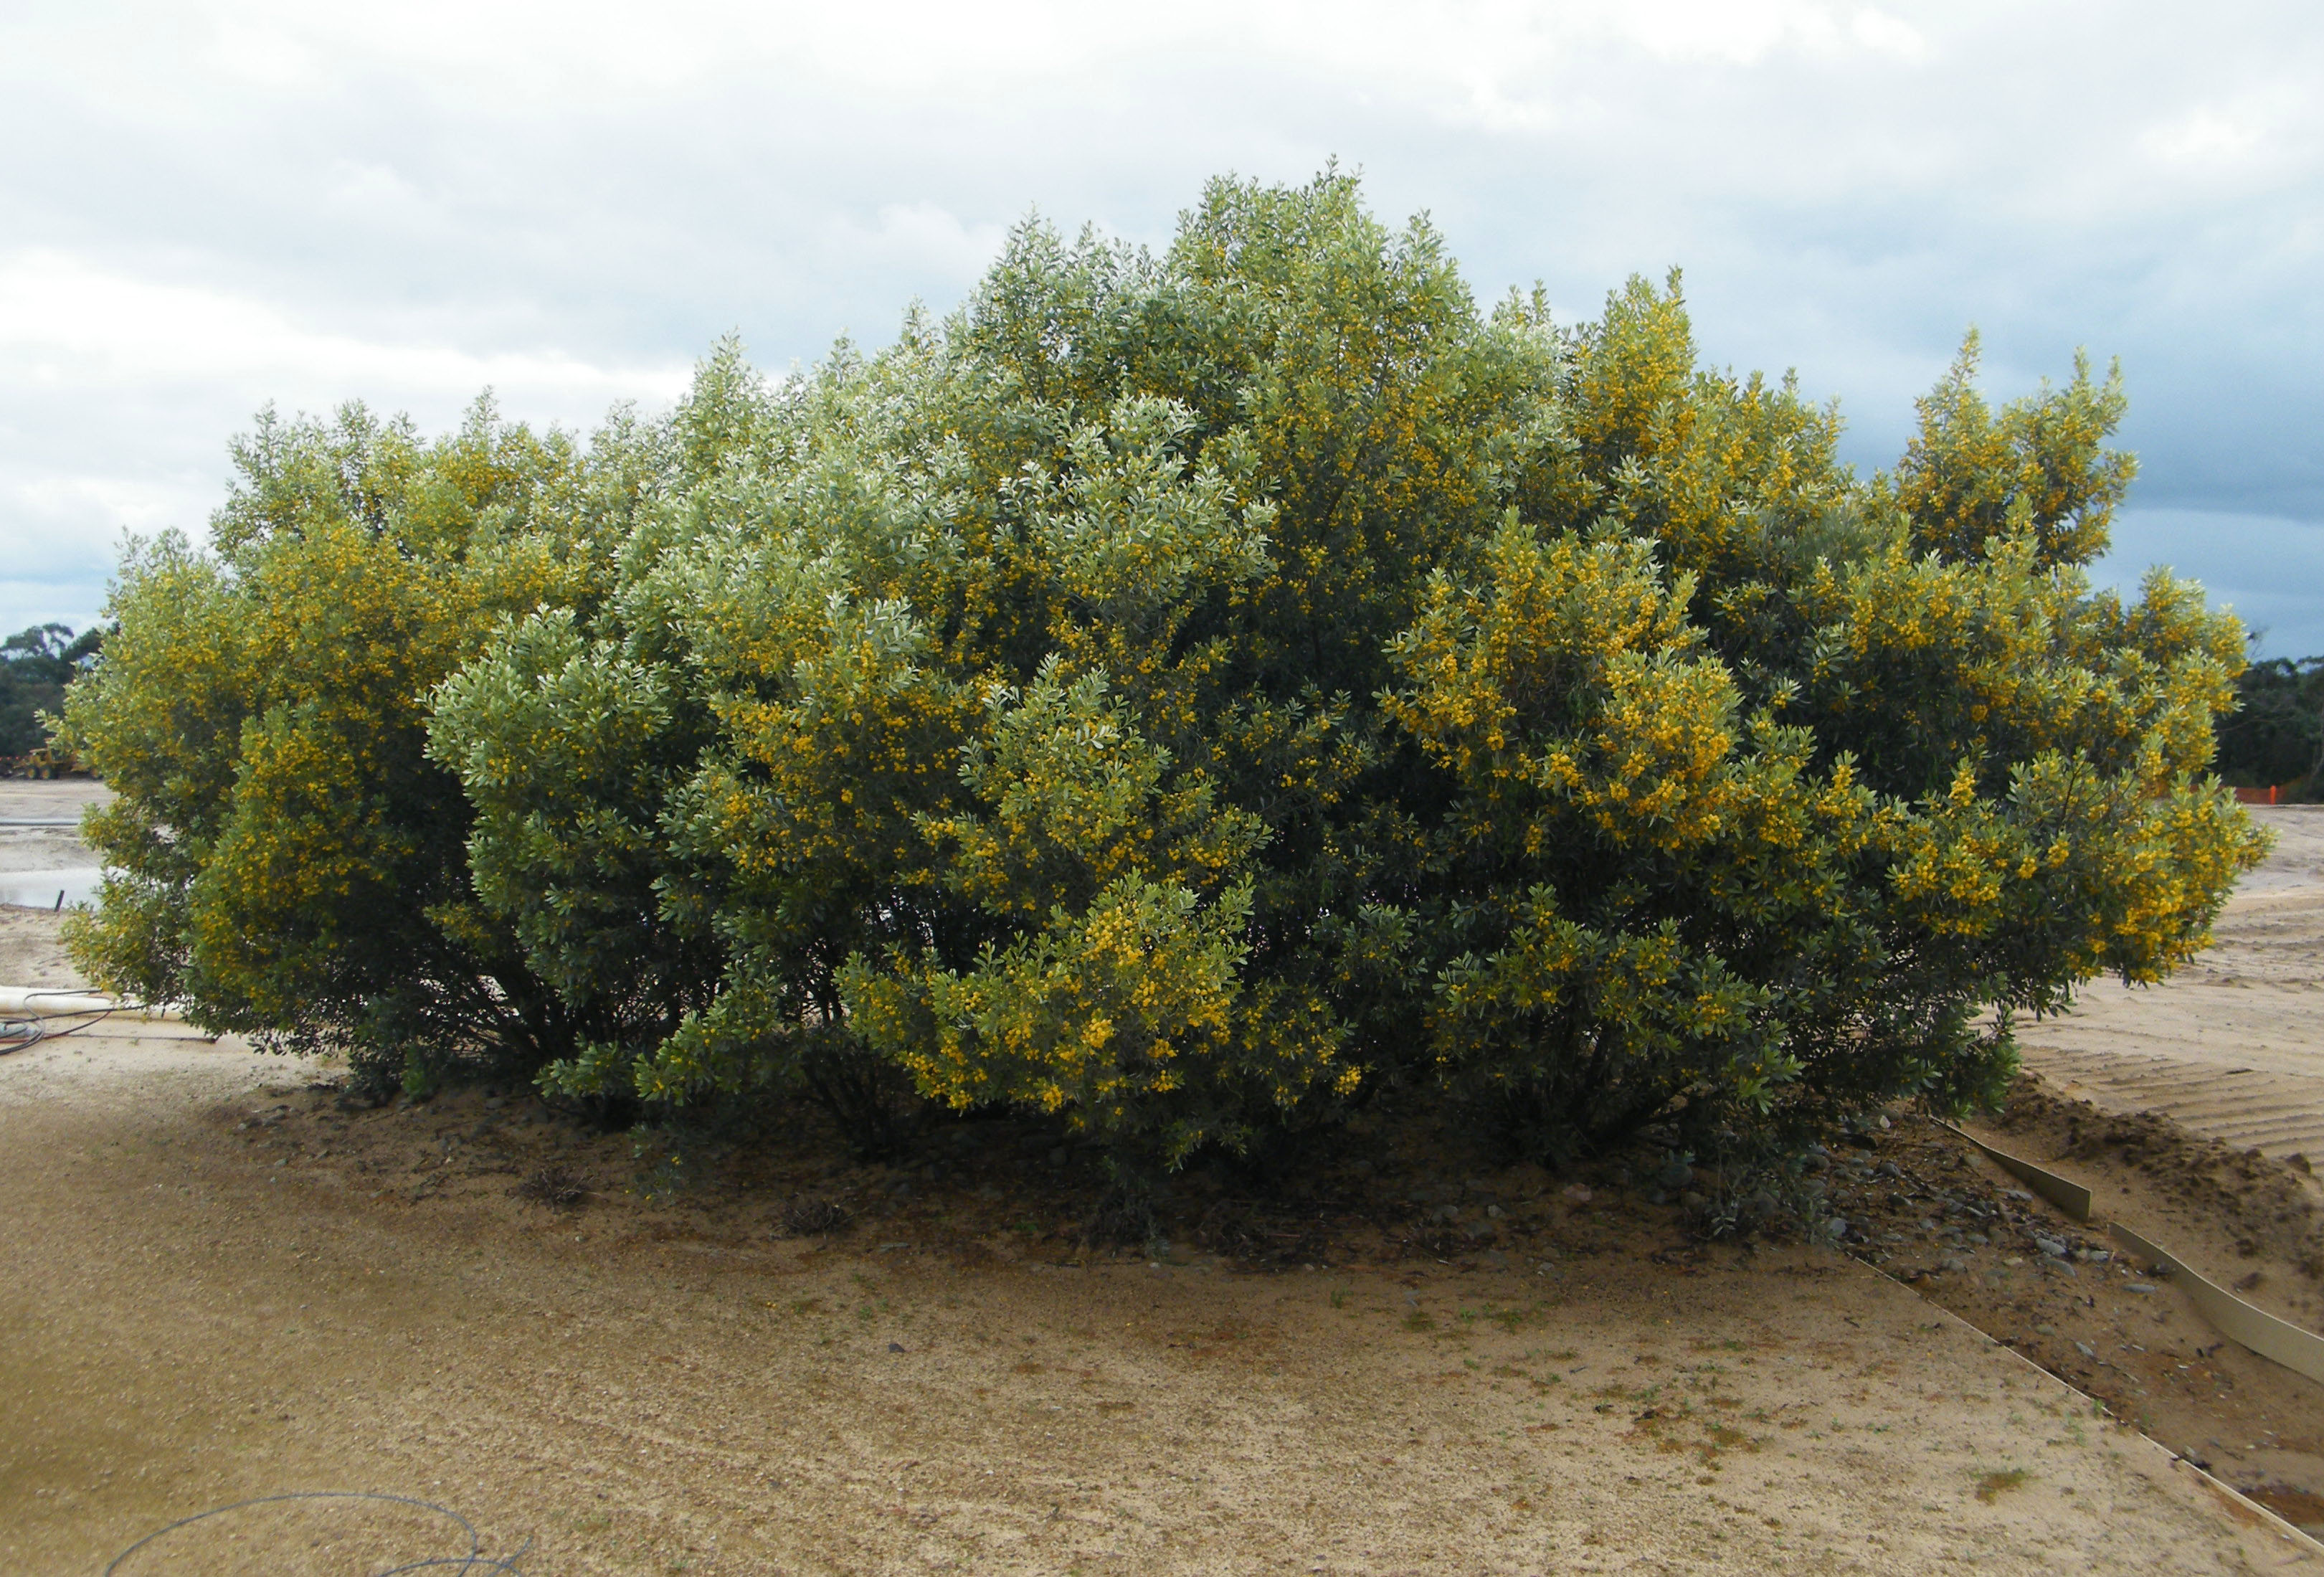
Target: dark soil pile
pixel 2269 1204
pixel 1919 1204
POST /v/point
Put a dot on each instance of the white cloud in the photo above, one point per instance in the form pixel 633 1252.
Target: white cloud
pixel 261 55
pixel 118 392
pixel 1887 35
pixel 63 319
pixel 529 53
pixel 2204 138
pixel 136 504
pixel 921 235
pixel 380 196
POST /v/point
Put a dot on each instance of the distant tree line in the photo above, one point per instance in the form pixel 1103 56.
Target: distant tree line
pixel 36 667
pixel 2276 733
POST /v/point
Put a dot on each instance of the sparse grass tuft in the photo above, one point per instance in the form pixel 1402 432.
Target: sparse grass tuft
pixel 810 1216
pixel 1991 1487
pixel 557 1187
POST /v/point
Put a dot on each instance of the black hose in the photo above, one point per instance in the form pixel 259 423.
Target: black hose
pixel 476 1560
pixel 16 1033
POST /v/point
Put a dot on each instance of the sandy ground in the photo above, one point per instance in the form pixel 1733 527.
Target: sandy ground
pixel 2232 1044
pixel 219 1286
pixel 217 1283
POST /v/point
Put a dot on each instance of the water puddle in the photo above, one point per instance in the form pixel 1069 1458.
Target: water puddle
pixel 42 890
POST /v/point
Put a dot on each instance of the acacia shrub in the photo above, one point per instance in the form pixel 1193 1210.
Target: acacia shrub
pixel 282 858
pixel 1187 693
pixel 1190 693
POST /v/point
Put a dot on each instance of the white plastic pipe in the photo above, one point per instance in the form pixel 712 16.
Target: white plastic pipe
pixel 34 1002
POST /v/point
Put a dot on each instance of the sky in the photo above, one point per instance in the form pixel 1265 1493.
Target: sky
pixel 212 205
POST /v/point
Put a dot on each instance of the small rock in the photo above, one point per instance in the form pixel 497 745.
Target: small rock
pixel 1884 1125
pixel 1497 1259
pixel 1760 1205
pixel 2045 1330
pixel 1835 1228
pixel 2086 1350
pixel 895 1346
pixel 2051 1247
pixel 1677 1173
pixel 493 1102
pixel 1690 1200
pixel 1492 1212
pixel 1888 1169
pixel 1954 1263
pixel 1574 1193
pixel 2141 1287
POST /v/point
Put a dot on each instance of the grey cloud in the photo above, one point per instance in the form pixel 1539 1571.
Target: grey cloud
pixel 2267 567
